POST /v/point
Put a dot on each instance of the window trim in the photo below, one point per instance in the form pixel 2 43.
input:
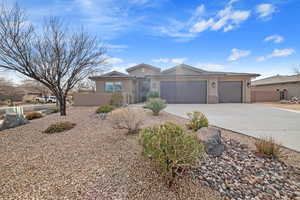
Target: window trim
pixel 114 84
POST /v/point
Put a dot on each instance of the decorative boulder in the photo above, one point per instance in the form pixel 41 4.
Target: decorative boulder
pixel 12 121
pixel 211 137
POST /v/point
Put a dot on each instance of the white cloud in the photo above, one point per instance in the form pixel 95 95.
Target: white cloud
pixel 232 1
pixel 238 53
pixel 202 25
pixel 161 60
pixel 226 19
pixel 277 53
pixel 210 66
pixel 282 52
pixel 274 38
pixel 116 46
pixel 178 60
pixel 261 58
pixel 112 60
pixel 170 60
pixel 265 10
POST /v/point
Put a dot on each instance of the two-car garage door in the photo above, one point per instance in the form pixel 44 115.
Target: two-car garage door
pixel 195 92
pixel 189 92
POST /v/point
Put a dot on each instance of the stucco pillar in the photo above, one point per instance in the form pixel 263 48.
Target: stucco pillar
pixel 212 91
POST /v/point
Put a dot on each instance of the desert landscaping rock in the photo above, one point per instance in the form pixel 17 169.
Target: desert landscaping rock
pixel 212 140
pixel 240 174
pixel 12 121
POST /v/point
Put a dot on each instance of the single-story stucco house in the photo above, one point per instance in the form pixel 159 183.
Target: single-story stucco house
pixel 180 84
pixel 275 88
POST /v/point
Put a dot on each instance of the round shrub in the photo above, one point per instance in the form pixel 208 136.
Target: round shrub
pixel 33 115
pixel 105 109
pixel 172 150
pixel 60 127
pixel 152 94
pixel 156 105
pixel 197 120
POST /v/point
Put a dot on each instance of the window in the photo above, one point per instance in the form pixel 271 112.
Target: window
pixel 113 86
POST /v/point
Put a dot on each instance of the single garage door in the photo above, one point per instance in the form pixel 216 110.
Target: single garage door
pixel 184 91
pixel 230 91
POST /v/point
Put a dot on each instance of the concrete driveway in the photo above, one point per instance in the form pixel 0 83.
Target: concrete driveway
pixel 250 119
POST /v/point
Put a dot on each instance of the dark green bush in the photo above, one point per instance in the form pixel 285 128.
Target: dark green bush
pixel 156 105
pixel 105 109
pixel 33 115
pixel 152 94
pixel 268 147
pixel 116 99
pixel 60 127
pixel 172 150
pixel 197 120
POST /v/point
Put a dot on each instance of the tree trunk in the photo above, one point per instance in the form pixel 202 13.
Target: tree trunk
pixel 63 106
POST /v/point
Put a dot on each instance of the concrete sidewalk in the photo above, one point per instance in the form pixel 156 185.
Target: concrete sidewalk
pixel 250 119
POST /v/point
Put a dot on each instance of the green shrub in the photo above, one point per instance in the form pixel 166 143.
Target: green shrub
pixel 197 120
pixel 172 150
pixel 105 109
pixel 268 147
pixel 152 94
pixel 33 115
pixel 156 105
pixel 60 127
pixel 116 99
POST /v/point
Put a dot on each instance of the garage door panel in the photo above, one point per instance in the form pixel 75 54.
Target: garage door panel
pixel 184 91
pixel 230 91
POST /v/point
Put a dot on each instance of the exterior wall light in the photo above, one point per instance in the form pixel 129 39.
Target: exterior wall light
pixel 248 84
pixel 213 84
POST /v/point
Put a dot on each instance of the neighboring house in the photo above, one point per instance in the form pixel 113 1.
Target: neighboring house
pixel 275 88
pixel 179 84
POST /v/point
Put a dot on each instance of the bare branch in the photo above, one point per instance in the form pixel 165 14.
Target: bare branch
pixel 56 57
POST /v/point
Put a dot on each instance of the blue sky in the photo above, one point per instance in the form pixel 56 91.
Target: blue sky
pixel 261 36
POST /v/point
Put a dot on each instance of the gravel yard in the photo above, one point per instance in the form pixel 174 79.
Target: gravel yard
pixel 93 161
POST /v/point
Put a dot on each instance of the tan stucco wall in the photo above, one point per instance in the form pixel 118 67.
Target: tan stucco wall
pixel 212 93
pixel 100 97
pixel 293 89
pixel 142 72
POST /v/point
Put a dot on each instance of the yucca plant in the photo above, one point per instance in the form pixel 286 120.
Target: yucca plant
pixel 197 120
pixel 156 105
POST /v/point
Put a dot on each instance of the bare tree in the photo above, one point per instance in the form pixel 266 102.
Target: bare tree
pixel 56 57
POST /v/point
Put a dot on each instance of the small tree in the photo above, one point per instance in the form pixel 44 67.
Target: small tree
pixel 54 56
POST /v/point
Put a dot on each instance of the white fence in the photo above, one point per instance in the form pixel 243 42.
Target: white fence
pixel 15 110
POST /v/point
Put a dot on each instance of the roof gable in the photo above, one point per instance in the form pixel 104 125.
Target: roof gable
pixel 113 74
pixel 143 66
pixel 184 69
